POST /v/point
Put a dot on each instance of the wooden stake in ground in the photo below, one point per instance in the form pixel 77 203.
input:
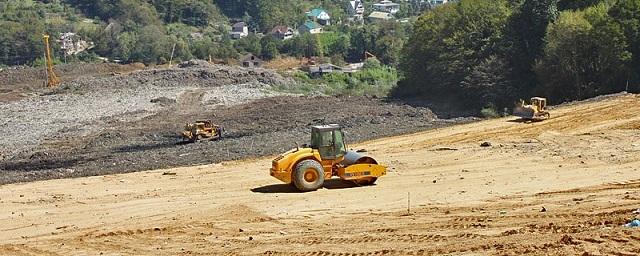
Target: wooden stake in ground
pixel 408 202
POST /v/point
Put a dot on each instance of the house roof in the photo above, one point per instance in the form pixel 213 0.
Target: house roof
pixel 386 3
pixel 311 24
pixel 280 29
pixel 381 15
pixel 316 12
pixel 239 25
pixel 354 4
pixel 250 57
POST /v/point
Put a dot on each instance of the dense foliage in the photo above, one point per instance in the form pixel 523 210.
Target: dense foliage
pixel 150 30
pixel 487 53
pixel 480 53
pixel 374 79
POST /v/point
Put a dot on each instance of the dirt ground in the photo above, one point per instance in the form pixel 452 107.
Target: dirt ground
pixel 257 128
pixel 100 123
pixel 564 186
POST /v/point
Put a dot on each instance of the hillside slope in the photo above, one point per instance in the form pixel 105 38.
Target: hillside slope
pixel 562 186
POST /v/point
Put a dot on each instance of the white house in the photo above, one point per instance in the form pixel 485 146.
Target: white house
pixel 282 32
pixel 356 9
pixel 239 30
pixel 436 3
pixel 319 15
pixel 387 6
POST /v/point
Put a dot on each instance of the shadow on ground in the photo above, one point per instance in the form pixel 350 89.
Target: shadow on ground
pixel 289 188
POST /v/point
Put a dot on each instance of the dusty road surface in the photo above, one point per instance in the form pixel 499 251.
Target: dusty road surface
pixel 564 186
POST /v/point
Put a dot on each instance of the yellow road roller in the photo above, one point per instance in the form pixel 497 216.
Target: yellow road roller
pixel 308 166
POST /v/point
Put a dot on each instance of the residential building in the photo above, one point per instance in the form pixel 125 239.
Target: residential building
pixel 436 3
pixel 251 61
pixel 356 9
pixel 320 16
pixel 239 30
pixel 380 16
pixel 282 32
pixel 387 6
pixel 310 27
pixel 320 70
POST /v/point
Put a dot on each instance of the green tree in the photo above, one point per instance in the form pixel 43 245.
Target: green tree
pixel 447 44
pixel 577 4
pixel 627 14
pixel 270 51
pixel 250 44
pixel 585 56
pixel 524 42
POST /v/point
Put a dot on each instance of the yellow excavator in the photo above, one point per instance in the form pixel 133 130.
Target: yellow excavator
pixel 535 111
pixel 52 79
pixel 307 167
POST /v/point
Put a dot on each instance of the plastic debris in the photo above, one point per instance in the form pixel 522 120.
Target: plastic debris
pixel 633 223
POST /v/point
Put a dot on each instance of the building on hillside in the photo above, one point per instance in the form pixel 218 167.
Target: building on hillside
pixel 251 61
pixel 72 44
pixel 282 32
pixel 356 9
pixel 380 16
pixel 387 6
pixel 436 3
pixel 319 70
pixel 320 16
pixel 310 27
pixel 239 30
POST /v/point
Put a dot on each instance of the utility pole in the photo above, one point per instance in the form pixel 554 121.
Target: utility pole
pixel 626 89
pixel 172 51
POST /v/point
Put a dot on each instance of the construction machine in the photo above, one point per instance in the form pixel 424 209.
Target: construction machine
pixel 204 129
pixel 52 79
pixel 535 111
pixel 307 167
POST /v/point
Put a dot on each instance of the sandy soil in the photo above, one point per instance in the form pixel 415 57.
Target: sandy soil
pixel 99 123
pixel 564 186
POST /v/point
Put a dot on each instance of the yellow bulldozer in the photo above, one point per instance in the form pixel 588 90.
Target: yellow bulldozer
pixel 204 129
pixel 535 111
pixel 307 167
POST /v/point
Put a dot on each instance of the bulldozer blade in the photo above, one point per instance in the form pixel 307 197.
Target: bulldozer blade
pixel 523 112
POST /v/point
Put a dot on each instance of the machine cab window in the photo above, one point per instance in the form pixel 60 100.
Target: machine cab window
pixel 329 141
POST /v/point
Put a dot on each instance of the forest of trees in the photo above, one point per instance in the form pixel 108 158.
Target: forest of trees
pixel 479 53
pixel 146 30
pixel 489 53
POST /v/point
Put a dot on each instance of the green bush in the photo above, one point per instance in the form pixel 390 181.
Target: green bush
pixel 369 81
pixel 489 112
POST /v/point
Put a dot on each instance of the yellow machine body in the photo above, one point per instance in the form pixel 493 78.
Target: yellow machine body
pixel 537 110
pixel 347 165
pixel 201 130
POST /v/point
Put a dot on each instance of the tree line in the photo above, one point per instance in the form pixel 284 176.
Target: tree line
pixel 149 31
pixel 490 53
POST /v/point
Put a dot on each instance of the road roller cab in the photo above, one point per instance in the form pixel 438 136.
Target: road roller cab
pixel 307 167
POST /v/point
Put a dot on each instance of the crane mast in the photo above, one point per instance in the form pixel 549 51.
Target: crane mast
pixel 52 79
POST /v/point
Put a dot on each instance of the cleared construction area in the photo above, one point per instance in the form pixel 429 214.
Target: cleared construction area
pixel 565 185
pixel 112 120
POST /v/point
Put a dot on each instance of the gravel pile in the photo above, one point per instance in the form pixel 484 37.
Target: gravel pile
pixel 90 104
